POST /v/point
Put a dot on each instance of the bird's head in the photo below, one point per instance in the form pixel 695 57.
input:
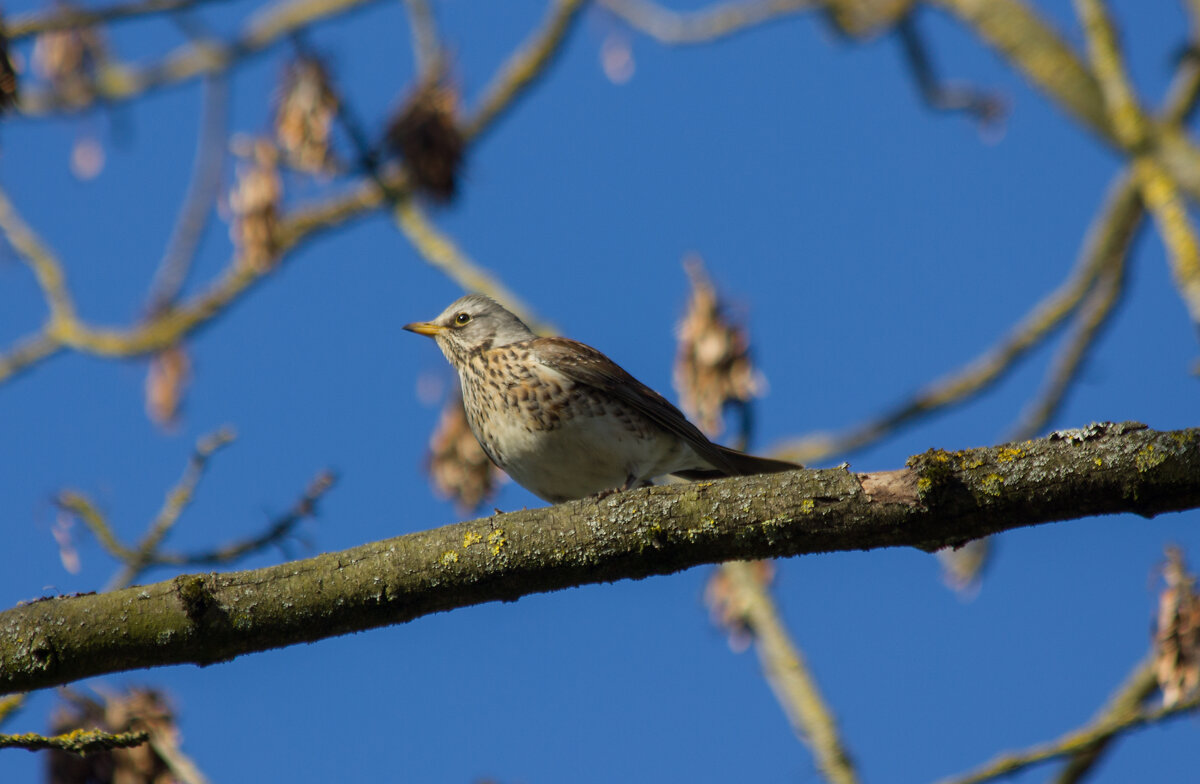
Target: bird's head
pixel 472 323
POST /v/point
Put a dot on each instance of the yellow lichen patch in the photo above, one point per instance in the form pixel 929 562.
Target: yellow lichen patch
pixel 470 538
pixel 969 464
pixel 923 485
pixel 497 540
pixel 992 484
pixel 1009 453
pixel 1098 462
pixel 807 506
pixel 449 557
pixel 1148 457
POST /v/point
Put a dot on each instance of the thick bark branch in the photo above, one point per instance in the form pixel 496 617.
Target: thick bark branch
pixel 939 499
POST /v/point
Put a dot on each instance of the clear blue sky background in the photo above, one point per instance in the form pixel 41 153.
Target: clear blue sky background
pixel 872 245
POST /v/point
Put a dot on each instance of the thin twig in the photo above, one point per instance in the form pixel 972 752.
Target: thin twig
pixel 442 252
pixel 523 67
pixel 117 82
pixel 705 25
pixel 26 353
pixel 86 510
pixel 178 498
pixel 68 17
pixel 1111 230
pixel 1127 701
pixel 202 193
pixel 1133 132
pixel 10 705
pixel 789 675
pixel 1089 321
pixel 34 252
pixel 275 533
pixel 984 107
pixel 427 47
pixel 1081 740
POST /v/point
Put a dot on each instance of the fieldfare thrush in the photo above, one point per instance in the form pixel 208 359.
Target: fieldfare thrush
pixel 564 420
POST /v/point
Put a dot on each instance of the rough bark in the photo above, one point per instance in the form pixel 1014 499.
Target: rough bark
pixel 940 498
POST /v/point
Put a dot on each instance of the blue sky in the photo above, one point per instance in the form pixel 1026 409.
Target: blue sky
pixel 871 245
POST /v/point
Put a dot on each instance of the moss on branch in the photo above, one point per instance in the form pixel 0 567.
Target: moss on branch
pixel 939 499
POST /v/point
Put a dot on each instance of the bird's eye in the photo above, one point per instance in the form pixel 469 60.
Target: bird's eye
pixel 462 318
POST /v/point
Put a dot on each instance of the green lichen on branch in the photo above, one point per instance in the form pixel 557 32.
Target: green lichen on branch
pixel 941 499
pixel 75 741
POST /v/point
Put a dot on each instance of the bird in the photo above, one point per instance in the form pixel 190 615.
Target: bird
pixel 561 418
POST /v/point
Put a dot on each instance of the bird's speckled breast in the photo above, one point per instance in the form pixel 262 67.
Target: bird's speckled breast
pixel 535 422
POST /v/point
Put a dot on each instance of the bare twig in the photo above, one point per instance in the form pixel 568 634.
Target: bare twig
pixel 46 267
pixel 201 196
pixel 1133 133
pixel 427 47
pixel 705 25
pixel 67 17
pixel 984 107
pixel 1101 731
pixel 118 82
pixel 788 674
pixel 178 498
pixel 78 741
pixel 10 705
pixel 82 507
pixel 523 67
pixel 442 252
pixel 275 533
pixel 1127 701
pixel 1090 319
pixel 1109 236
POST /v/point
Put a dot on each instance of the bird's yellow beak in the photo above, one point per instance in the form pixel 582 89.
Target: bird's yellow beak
pixel 425 328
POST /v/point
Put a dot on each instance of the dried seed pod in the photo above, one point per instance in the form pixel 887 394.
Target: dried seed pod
pixel 1177 638
pixel 425 133
pixel 304 114
pixel 962 567
pixel 712 366
pixel 727 607
pixel 457 465
pixel 254 203
pixel 138 710
pixel 68 60
pixel 166 380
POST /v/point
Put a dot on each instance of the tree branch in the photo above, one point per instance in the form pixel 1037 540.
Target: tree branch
pixel 939 499
pixel 76 741
pixel 66 17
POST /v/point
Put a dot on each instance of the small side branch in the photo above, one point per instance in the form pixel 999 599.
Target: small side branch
pixel 78 742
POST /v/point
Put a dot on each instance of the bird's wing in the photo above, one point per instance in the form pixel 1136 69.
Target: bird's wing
pixel 585 365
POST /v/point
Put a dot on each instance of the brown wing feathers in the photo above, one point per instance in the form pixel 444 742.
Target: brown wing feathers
pixel 585 365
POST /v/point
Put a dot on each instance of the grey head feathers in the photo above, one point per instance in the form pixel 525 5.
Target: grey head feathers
pixel 477 323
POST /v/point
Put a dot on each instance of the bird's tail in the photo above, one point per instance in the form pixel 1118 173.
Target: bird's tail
pixel 737 463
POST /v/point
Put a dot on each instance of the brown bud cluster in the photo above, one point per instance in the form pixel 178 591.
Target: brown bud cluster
pixel 712 367
pixel 166 380
pixel 138 710
pixel 425 134
pixel 728 607
pixel 68 59
pixel 1177 638
pixel 304 115
pixel 9 90
pixel 457 465
pixel 254 202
